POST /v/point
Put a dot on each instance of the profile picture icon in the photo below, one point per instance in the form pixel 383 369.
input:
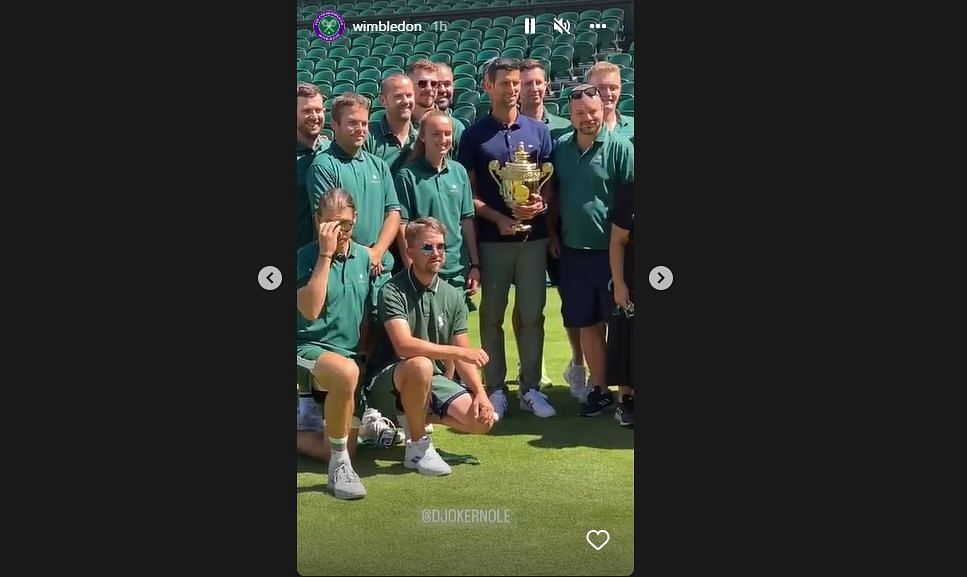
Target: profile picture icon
pixel 329 25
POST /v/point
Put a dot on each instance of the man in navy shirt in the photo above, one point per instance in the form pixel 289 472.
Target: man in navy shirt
pixel 508 256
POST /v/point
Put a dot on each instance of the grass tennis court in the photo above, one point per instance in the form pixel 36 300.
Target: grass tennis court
pixel 552 480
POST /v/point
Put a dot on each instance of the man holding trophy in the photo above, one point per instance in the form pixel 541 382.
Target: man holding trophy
pixel 507 156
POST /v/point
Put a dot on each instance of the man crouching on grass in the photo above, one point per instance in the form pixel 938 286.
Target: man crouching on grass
pixel 425 324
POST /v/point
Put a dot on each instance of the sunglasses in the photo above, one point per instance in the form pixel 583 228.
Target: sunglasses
pixel 590 91
pixel 344 225
pixel 428 248
pixel 629 312
pixel 424 83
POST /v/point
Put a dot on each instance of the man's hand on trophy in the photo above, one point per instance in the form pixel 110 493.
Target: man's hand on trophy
pixel 507 225
pixel 534 207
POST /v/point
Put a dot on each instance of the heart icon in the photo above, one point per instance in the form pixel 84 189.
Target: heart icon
pixel 607 537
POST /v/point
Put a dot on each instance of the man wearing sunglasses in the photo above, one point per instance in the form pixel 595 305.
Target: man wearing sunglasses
pixel 424 324
pixel 508 256
pixel 590 162
pixel 431 82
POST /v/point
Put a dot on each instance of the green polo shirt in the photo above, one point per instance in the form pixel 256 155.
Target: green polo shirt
pixel 586 183
pixel 384 144
pixel 303 213
pixel 458 129
pixel 435 313
pixel 337 328
pixel 445 196
pixel 558 125
pixel 625 126
pixel 367 178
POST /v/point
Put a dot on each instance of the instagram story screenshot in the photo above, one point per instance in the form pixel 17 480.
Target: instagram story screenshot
pixel 465 291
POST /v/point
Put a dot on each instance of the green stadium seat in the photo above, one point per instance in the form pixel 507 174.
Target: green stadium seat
pixel 380 4
pixel 402 49
pixel 503 21
pixel 377 115
pixel 406 38
pixel 372 74
pixel 627 106
pixel 381 50
pixel 497 3
pixel 560 66
pixel 369 13
pixel 519 2
pixel 464 69
pixel 324 87
pixel 343 87
pixel 564 40
pixel 304 33
pixel 327 76
pixel 316 54
pixel 542 40
pixel 543 29
pixel 428 36
pixel 474 33
pixel 587 36
pixel 495 33
pixel 328 64
pixel 481 5
pixel 300 54
pixel 469 84
pixel 513 53
pixel 592 15
pixel 468 56
pixel 304 76
pixel 459 25
pixel 468 96
pixel 427 47
pixel 628 88
pixel 551 107
pixel 540 52
pixel 360 52
pixel 364 5
pixel 343 41
pixel 338 52
pixel 302 43
pixel 572 16
pixel 613 13
pixel 466 114
pixel 415 58
pixel 460 6
pixel 546 18
pixel 583 27
pixel 453 35
pixel 469 44
pixel 348 63
pixel 519 20
pixel 631 48
pixel 628 74
pixel 307 65
pixel 347 75
pixel 516 30
pixel 515 42
pixel 584 51
pixel 481 23
pixel 368 89
pixel 420 9
pixel 387 39
pixel 386 11
pixel 397 3
pixel 363 40
pixel 404 10
pixel 614 24
pixel 621 59
pixel 371 62
pixel 391 70
pixel 448 46
pixel 605 39
pixel 563 50
pixel 485 55
pixel 494 43
pixel 440 57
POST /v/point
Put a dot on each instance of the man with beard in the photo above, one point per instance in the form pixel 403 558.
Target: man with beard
pixel 310 120
pixel 607 77
pixel 590 162
pixel 509 255
pixel 392 136
pixel 424 325
pixel 444 103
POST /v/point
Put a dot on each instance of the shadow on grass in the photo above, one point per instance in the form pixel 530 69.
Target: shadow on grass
pixel 566 428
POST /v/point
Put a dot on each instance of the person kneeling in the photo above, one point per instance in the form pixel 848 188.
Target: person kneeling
pixel 424 324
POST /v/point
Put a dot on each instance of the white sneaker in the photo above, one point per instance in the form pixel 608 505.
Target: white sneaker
pixel 308 417
pixel 536 402
pixel 421 455
pixel 577 379
pixel 498 399
pixel 379 430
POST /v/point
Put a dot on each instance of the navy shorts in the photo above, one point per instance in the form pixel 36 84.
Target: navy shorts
pixel 583 284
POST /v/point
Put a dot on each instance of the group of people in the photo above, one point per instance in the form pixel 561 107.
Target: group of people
pixel 400 222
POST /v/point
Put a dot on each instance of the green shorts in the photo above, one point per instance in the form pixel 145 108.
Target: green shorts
pixel 308 384
pixel 381 394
